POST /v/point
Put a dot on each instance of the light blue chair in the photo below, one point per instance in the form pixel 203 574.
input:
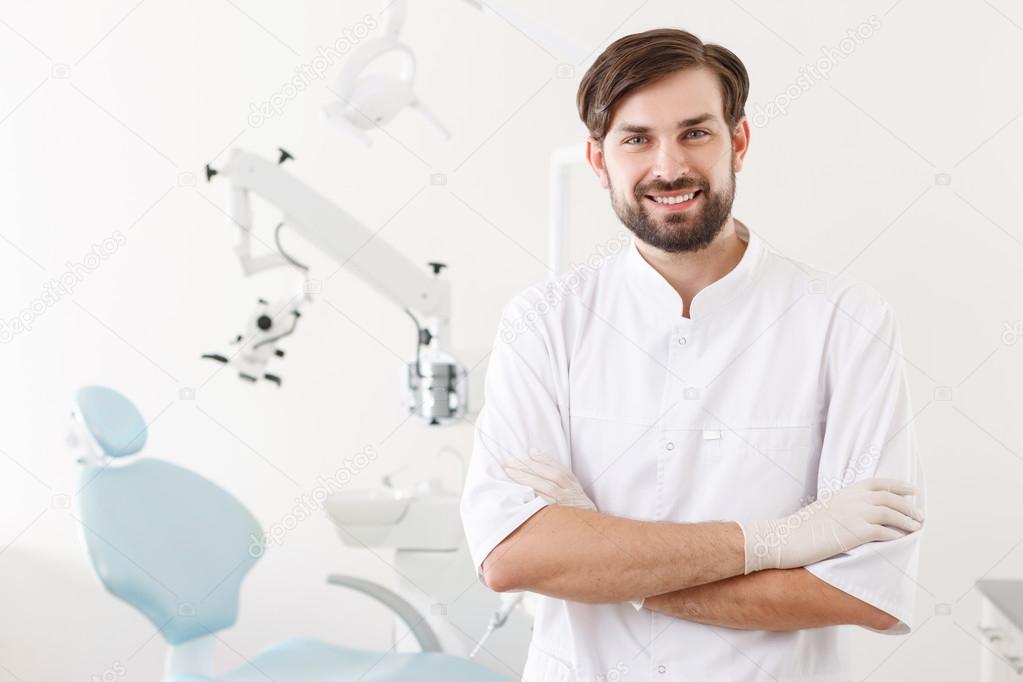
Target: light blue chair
pixel 177 547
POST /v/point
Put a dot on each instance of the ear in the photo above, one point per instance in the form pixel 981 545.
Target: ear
pixel 740 143
pixel 595 157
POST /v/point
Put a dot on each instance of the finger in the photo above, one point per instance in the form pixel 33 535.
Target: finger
pixel 545 458
pixel 536 467
pixel 516 461
pixel 892 485
pixel 884 534
pixel 894 519
pixel 554 474
pixel 527 478
pixel 899 504
pixel 550 468
pixel 544 489
pixel 538 455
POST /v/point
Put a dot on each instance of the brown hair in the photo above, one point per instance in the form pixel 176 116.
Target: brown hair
pixel 641 58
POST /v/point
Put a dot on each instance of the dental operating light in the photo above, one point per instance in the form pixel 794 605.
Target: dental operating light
pixel 370 94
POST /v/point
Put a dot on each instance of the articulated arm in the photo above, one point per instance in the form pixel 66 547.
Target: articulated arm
pixel 334 231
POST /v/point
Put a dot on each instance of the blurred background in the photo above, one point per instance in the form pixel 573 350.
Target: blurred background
pixel 895 160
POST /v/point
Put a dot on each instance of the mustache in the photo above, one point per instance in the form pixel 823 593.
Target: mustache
pixel 674 186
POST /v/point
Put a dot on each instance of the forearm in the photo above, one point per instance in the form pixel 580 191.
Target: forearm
pixel 789 599
pixel 586 556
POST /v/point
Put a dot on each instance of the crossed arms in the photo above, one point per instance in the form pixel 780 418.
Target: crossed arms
pixel 694 571
pixel 700 571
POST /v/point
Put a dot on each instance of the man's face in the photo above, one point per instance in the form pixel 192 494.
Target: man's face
pixel 667 140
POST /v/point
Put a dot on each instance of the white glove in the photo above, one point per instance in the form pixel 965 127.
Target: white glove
pixel 871 510
pixel 550 479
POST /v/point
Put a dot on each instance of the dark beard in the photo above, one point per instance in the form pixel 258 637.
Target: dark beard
pixel 679 231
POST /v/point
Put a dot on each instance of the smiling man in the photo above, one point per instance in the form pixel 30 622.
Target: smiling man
pixel 702 458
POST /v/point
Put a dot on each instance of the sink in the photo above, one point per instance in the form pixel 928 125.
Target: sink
pixel 427 520
pixel 375 507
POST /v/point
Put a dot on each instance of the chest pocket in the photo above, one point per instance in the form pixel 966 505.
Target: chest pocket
pixel 752 473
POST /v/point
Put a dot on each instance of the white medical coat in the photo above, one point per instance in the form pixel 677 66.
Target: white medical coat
pixel 782 381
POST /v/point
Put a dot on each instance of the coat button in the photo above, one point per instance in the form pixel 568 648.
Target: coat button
pixel 669 446
pixel 661 669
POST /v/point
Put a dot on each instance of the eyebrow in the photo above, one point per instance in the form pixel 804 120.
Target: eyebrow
pixel 695 120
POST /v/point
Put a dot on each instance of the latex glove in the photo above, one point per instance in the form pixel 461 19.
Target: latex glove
pixel 871 510
pixel 549 478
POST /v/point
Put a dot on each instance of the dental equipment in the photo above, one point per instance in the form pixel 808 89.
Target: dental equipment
pixel 259 342
pixel 435 384
pixel 419 529
pixel 369 96
pixel 367 99
pixel 177 547
pixel 508 603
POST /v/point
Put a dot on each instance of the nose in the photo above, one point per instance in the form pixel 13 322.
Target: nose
pixel 670 163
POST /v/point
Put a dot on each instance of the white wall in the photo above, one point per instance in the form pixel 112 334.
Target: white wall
pixel 109 111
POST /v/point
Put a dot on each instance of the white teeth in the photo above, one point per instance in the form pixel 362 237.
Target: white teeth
pixel 675 200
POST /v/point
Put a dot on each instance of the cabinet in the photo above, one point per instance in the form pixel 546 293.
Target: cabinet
pixel 1001 630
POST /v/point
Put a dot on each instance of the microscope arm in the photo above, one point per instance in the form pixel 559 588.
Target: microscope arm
pixel 334 231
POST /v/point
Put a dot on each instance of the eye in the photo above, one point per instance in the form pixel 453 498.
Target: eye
pixel 704 133
pixel 634 137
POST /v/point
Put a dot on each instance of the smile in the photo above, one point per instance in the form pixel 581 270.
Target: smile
pixel 675 201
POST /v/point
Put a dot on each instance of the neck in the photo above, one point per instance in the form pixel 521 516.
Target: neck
pixel 689 272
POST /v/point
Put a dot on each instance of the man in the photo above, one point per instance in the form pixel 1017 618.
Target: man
pixel 701 456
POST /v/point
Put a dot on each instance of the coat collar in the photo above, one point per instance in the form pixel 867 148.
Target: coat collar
pixel 663 298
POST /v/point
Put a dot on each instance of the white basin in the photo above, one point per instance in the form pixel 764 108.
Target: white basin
pixel 376 507
pixel 423 521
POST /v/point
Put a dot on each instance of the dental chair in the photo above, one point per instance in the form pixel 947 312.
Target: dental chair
pixel 177 547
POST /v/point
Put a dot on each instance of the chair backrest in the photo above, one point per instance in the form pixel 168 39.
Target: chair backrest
pixel 162 538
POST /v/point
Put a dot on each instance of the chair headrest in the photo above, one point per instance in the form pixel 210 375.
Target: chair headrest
pixel 113 421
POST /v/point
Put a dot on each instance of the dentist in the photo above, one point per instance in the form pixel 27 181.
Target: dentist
pixel 698 451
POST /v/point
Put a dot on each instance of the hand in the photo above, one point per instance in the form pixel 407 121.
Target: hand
pixel 871 510
pixel 549 479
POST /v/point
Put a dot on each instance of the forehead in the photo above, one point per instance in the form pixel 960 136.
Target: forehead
pixel 668 100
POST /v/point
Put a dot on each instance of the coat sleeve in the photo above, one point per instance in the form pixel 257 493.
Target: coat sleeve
pixel 869 433
pixel 522 409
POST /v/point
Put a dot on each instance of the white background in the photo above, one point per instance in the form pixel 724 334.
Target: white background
pixel 900 167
